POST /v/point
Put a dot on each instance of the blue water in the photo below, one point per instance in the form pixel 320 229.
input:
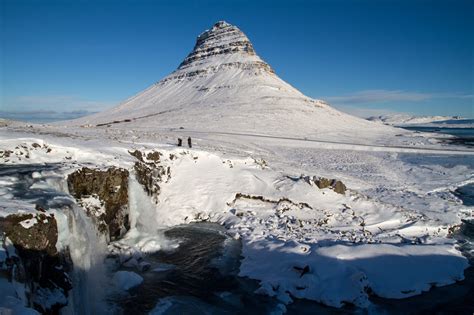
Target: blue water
pixel 456 122
pixel 458 132
pixel 466 194
pixel 464 136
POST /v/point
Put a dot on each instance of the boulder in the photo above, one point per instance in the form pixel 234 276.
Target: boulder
pixel 338 187
pixel 323 182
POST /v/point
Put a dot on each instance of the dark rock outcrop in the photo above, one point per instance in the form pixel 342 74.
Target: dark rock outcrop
pixel 149 172
pixel 334 184
pixel 322 182
pixel 111 188
pixel 37 263
pixel 137 154
pixel 153 156
pixel 41 236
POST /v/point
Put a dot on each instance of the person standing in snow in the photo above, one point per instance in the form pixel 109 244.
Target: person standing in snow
pixel 180 142
pixel 189 142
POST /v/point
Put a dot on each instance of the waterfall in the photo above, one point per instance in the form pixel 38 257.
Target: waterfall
pixel 145 233
pixel 88 251
pixel 142 209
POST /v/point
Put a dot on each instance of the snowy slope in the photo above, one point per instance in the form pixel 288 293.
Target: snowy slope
pixel 222 85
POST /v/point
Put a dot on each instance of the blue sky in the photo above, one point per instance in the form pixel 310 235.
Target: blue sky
pixel 62 59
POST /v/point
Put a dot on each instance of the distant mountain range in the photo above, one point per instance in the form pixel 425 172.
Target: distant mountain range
pixel 409 120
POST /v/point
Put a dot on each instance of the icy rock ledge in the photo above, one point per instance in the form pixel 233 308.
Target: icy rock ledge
pixel 37 272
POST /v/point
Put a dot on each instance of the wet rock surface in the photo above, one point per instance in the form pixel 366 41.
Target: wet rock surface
pixel 35 262
pixel 42 235
pixel 110 187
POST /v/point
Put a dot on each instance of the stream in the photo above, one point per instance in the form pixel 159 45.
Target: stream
pixel 200 277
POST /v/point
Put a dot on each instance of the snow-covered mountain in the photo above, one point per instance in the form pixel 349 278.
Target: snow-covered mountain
pixel 404 119
pixel 223 85
pixel 332 220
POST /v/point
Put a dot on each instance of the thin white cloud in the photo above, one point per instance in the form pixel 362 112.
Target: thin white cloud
pixel 42 116
pixel 383 96
pixel 46 108
pixel 59 103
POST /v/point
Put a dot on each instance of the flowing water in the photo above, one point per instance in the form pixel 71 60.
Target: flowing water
pixel 43 185
pixel 88 251
pixel 198 277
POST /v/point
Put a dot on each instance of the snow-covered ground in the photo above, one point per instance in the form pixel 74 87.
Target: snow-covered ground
pixel 389 232
pixel 259 147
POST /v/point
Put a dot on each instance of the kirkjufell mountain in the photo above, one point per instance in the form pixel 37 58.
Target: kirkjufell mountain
pixel 223 85
pixel 273 198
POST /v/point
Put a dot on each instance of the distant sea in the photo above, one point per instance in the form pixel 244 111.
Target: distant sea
pixel 464 135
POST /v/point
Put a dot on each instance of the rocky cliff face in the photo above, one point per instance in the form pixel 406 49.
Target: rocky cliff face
pixel 104 195
pixel 223 41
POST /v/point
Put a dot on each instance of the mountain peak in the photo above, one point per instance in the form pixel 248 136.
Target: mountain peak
pixel 223 85
pixel 221 24
pixel 223 44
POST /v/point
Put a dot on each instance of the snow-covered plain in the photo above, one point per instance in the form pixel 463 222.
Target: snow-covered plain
pixel 389 232
pixel 257 143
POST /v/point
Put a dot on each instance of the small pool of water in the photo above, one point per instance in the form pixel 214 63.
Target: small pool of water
pixel 199 277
